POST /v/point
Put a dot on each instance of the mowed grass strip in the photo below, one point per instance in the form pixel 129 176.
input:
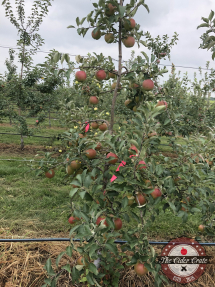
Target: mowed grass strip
pixel 38 203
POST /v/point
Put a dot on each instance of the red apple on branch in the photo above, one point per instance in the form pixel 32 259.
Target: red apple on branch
pixel 141 198
pixel 96 35
pixel 112 161
pixel 103 127
pixel 80 76
pixel 129 24
pixel 100 75
pixel 109 38
pixel 75 165
pixel 148 85
pixel 142 165
pixel 118 224
pixel 50 173
pixel 109 11
pixel 201 228
pixel 90 153
pixel 140 269
pixel 129 42
pixel 133 149
pixel 94 125
pixel 98 147
pixel 99 219
pixel 156 193
pixel 93 100
pixel 162 103
pixel 73 220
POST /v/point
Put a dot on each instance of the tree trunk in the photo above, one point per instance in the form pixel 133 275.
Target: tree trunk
pixel 22 142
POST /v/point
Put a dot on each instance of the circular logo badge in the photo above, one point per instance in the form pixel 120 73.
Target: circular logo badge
pixel 181 260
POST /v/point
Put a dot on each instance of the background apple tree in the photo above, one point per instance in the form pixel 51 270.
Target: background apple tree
pixel 119 179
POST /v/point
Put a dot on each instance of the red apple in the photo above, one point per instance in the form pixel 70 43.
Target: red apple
pixel 90 153
pixel 109 38
pixel 113 86
pixel 201 228
pixel 129 42
pixel 158 61
pixel 156 193
pixel 73 220
pixel 109 11
pixel 112 161
pixel 50 173
pixel 93 100
pixel 103 127
pixel 129 26
pixel 118 224
pixel 162 103
pixel 96 35
pixel 94 125
pixel 148 85
pixel 75 165
pixel 81 261
pixel 98 147
pixel 162 54
pixel 141 198
pixel 69 170
pixel 99 219
pixel 100 75
pixel 140 269
pixel 183 251
pixel 80 76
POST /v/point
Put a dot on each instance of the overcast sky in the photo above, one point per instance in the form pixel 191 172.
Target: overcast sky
pixel 165 17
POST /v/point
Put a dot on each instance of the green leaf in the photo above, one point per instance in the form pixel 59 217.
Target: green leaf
pixel 211 15
pixel 95 5
pixel 79 267
pixel 121 10
pixel 59 257
pixel 111 247
pixel 73 229
pixel 77 21
pixel 205 20
pixel 82 20
pixel 67 268
pixel 73 192
pixel 211 45
pixel 145 55
pixel 93 268
pixel 90 279
pixel 48 267
pixel 124 202
pixel 69 251
pixel 143 43
pixel 71 26
pixel 93 249
pixel 147 7
pixel 67 58
pixel 203 25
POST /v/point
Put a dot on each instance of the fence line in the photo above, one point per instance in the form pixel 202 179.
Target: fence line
pixel 78 240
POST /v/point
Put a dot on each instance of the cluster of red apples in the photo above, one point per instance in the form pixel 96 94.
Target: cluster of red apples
pixel 128 25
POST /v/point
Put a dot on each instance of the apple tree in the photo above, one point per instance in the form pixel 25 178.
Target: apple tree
pixel 120 181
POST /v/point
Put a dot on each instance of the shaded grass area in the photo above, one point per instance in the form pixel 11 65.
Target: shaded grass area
pixel 38 203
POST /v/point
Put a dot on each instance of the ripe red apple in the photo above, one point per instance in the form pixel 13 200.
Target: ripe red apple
pixel 94 125
pixel 142 165
pixel 98 147
pixel 201 228
pixel 109 11
pixel 80 76
pixel 112 161
pixel 148 85
pixel 90 153
pixel 69 170
pixel 109 38
pixel 158 61
pixel 100 75
pixel 81 136
pixel 162 103
pixel 99 219
pixel 156 193
pixel 162 54
pixel 93 100
pixel 140 269
pixel 96 35
pixel 141 198
pixel 118 224
pixel 75 165
pixel 103 127
pixel 129 42
pixel 50 173
pixel 73 220
pixel 129 26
